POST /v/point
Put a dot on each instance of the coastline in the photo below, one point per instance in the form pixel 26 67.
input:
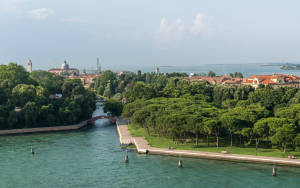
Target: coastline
pixel 44 129
pixel 142 147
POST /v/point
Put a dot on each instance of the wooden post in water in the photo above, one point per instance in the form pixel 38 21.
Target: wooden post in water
pixel 126 157
pixel 274 173
pixel 180 163
pixel 32 150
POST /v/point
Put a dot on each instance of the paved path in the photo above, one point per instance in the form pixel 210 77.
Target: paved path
pixel 56 128
pixel 124 135
pixel 143 147
pixel 229 157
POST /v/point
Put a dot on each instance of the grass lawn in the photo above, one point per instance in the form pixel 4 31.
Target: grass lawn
pixel 131 146
pixel 160 142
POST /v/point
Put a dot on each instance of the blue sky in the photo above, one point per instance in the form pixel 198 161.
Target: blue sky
pixel 127 33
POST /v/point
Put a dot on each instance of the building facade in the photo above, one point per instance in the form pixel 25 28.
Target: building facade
pixel 223 80
pixel 86 79
pixel 29 66
pixel 65 70
pixel 275 80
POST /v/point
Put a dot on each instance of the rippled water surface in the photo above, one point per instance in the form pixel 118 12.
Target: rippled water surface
pixel 93 158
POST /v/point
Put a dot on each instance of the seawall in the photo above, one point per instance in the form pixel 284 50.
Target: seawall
pixel 143 147
pixel 44 129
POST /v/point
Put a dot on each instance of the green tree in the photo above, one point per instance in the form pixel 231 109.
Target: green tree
pixel 31 113
pixel 213 126
pixel 113 106
pixel 53 83
pixel 15 73
pixel 284 136
pixel 211 74
pixel 23 93
pixel 231 123
pixel 108 90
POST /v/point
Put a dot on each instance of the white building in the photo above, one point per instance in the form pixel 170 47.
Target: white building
pixel 65 70
pixel 29 66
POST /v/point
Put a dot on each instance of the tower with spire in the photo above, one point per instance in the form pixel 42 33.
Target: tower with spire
pixel 156 70
pixel 29 66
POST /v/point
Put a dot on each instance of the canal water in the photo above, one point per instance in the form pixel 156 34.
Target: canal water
pixel 93 158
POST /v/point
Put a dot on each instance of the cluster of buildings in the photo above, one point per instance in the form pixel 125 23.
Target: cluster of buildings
pixel 224 80
pixel 65 70
pixel 72 73
pixel 275 80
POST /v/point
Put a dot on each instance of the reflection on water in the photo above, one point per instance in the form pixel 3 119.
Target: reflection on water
pixel 93 158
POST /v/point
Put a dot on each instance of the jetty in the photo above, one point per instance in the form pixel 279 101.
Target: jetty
pixel 143 147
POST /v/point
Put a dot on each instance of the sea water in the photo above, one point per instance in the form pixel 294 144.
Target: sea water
pixel 93 158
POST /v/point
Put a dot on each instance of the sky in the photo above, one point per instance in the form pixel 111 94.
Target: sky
pixel 128 33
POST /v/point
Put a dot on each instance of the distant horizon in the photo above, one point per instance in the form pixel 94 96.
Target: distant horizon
pixel 148 66
pixel 247 70
pixel 141 32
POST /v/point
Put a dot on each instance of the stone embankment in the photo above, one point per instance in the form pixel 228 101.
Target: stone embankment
pixel 44 129
pixel 126 139
pixel 57 128
pixel 143 147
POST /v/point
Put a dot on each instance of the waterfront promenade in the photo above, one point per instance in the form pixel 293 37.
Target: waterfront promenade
pixel 143 147
pixel 44 129
pixel 56 128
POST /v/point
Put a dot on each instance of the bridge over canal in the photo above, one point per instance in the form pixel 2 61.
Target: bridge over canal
pixel 112 119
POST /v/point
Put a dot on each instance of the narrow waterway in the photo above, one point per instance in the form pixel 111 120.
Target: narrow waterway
pixel 93 158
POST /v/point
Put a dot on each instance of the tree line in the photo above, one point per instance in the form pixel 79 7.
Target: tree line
pixel 170 106
pixel 31 100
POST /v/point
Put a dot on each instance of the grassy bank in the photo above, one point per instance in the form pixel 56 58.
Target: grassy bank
pixel 160 142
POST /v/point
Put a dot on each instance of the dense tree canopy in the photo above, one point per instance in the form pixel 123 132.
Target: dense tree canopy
pixel 30 100
pixel 171 106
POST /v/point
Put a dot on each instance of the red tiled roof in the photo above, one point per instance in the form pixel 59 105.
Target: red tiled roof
pixel 269 79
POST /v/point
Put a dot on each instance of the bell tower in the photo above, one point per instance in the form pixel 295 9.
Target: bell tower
pixel 98 66
pixel 29 66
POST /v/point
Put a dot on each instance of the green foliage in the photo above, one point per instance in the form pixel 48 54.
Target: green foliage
pixel 284 135
pixel 236 75
pixel 16 74
pixel 25 99
pixel 171 106
pixel 113 106
pixel 107 78
pixel 53 83
pixel 211 74
pixel 22 93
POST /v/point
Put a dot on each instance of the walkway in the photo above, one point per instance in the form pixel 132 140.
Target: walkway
pixel 43 129
pixel 143 147
pixel 124 135
pixel 56 128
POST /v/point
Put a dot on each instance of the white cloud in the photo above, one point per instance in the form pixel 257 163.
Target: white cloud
pixel 198 24
pixel 10 5
pixel 40 14
pixel 177 31
pixel 169 31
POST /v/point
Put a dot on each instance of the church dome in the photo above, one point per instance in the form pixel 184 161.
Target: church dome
pixel 65 65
